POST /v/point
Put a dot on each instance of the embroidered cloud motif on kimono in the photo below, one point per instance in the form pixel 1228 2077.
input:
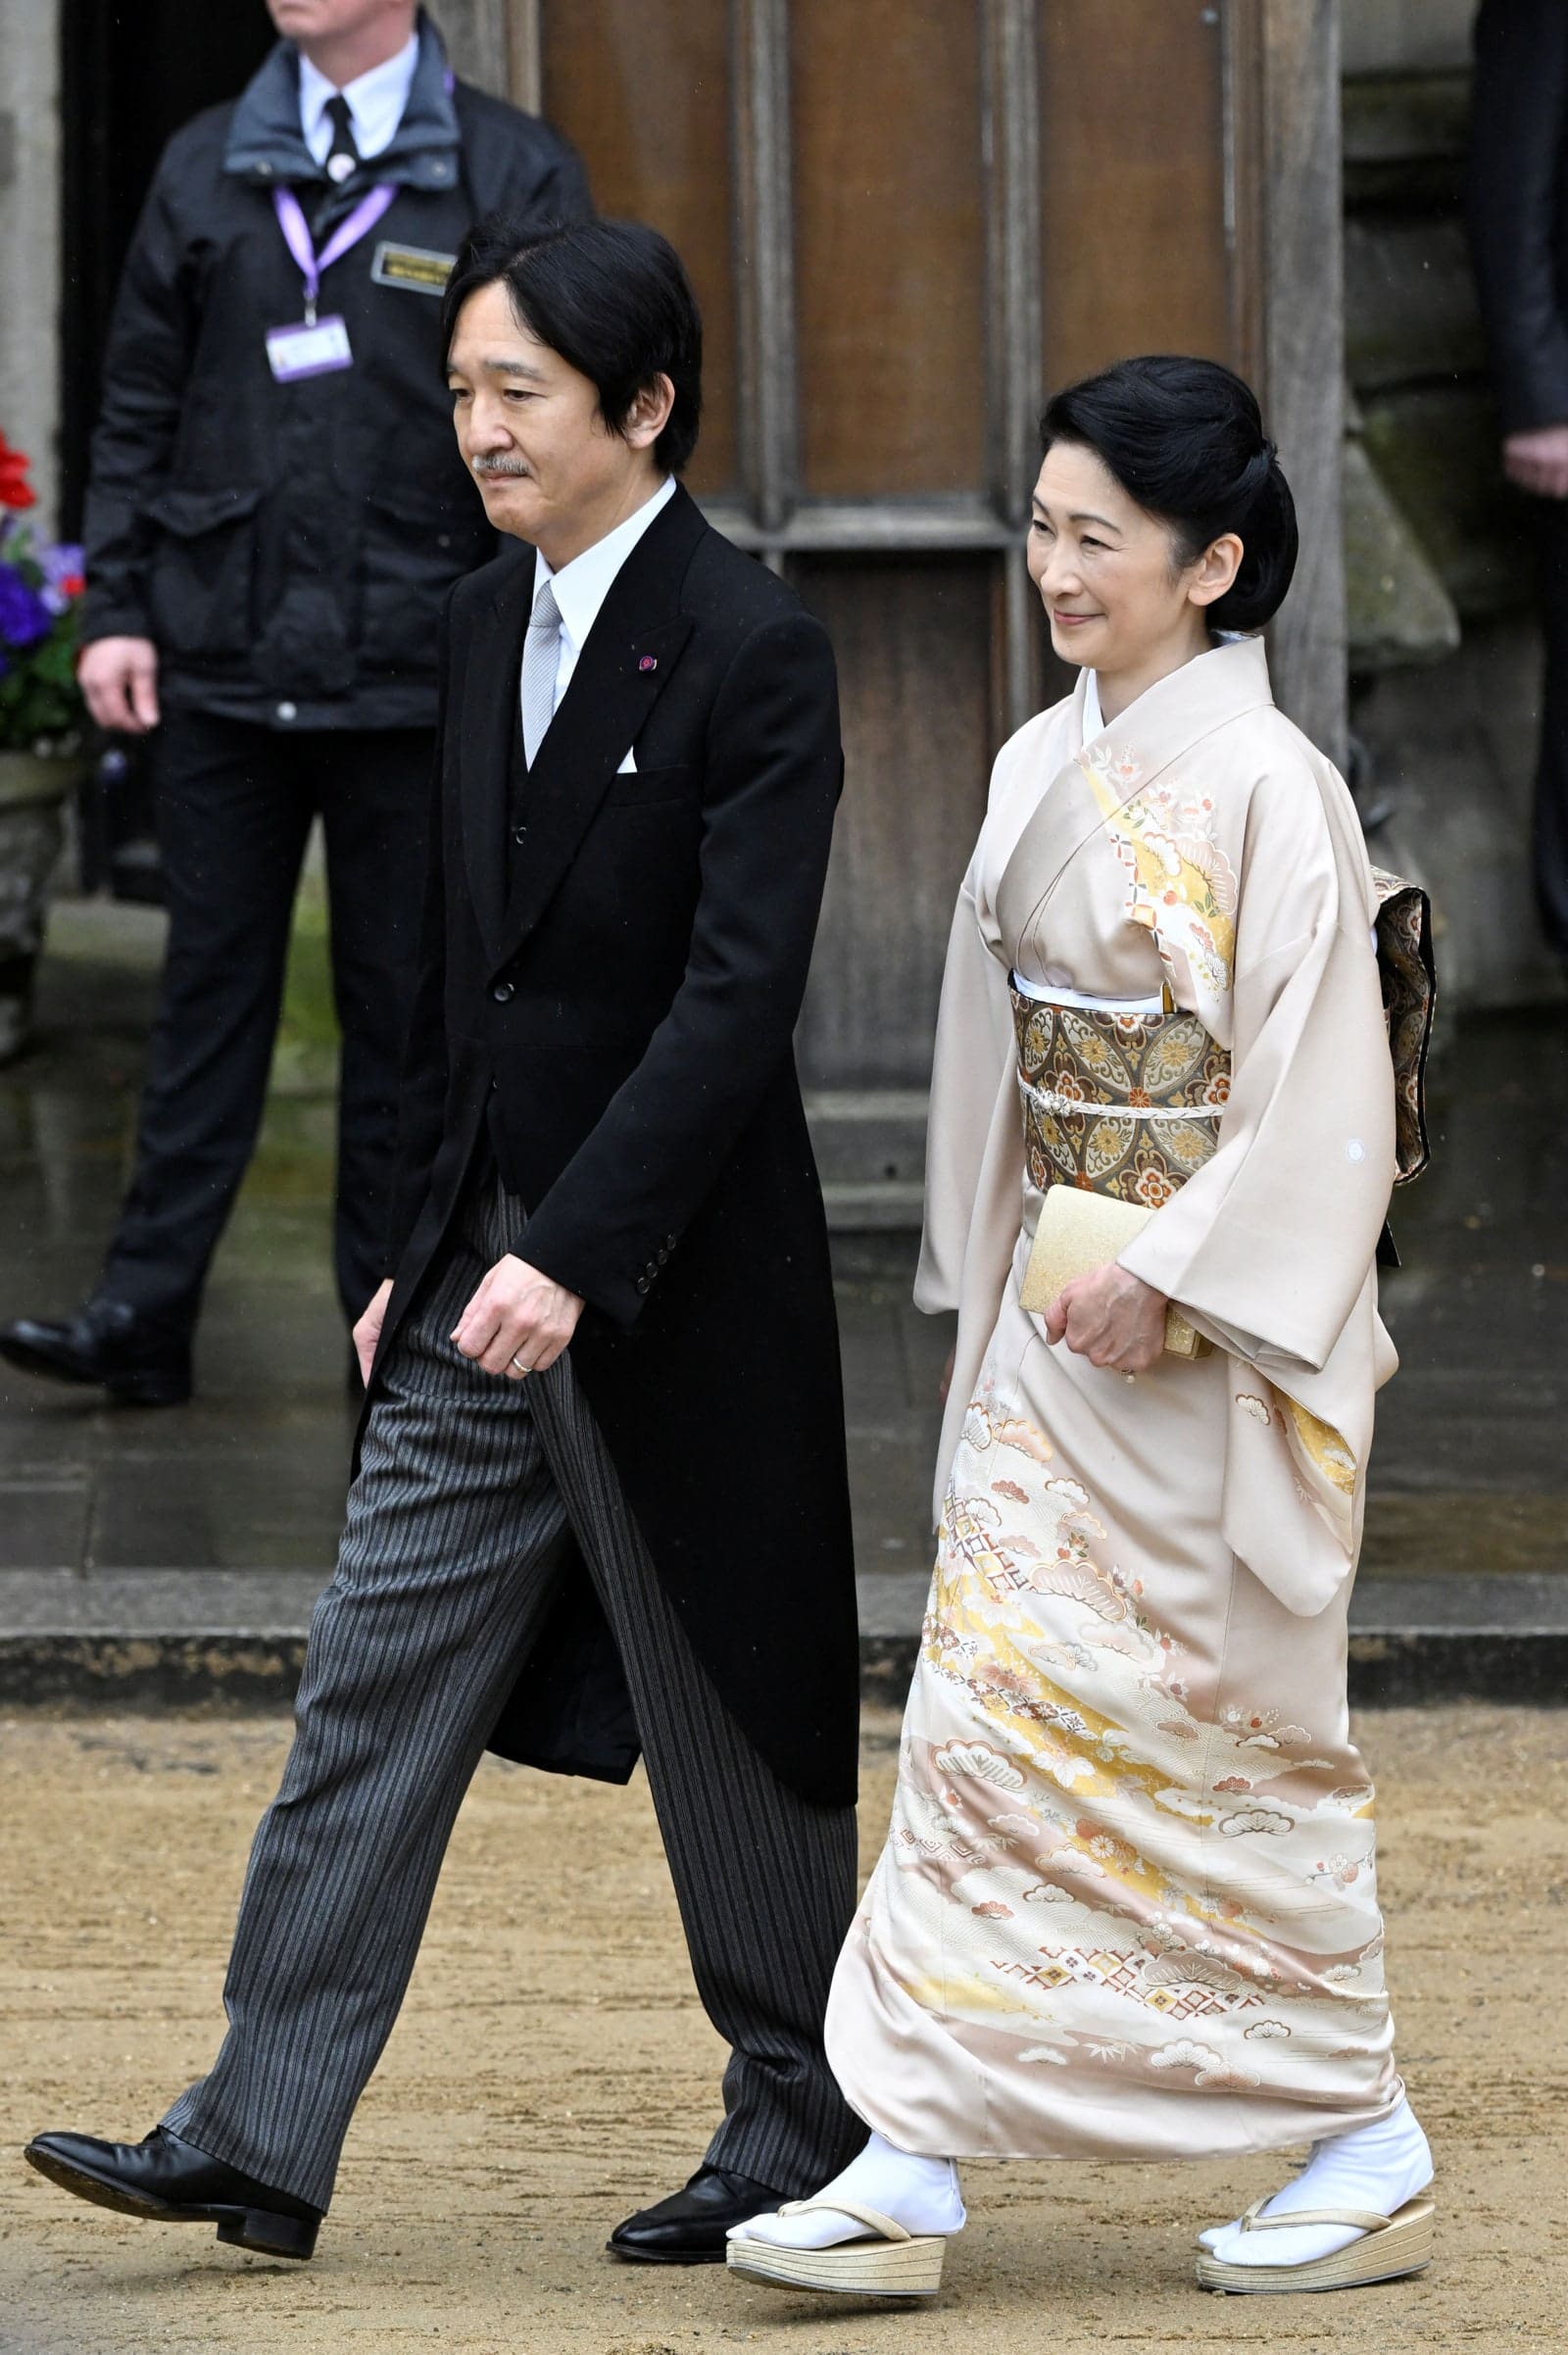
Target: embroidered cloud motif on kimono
pixel 1254 1819
pixel 1185 2055
pixel 975 1758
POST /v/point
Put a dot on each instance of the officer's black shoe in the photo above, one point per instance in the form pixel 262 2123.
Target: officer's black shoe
pixel 138 1364
pixel 689 2228
pixel 175 2183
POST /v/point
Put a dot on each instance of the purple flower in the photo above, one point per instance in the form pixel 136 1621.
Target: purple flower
pixel 61 566
pixel 61 561
pixel 25 618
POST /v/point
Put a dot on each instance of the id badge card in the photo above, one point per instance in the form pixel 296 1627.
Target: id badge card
pixel 312 349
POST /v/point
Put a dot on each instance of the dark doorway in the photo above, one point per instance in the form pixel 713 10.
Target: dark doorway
pixel 132 72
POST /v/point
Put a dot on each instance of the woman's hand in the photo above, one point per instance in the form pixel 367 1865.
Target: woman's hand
pixel 1112 1317
pixel 518 1321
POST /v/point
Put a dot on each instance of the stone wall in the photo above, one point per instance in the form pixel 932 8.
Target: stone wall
pixel 1404 36
pixel 29 238
pixel 1445 655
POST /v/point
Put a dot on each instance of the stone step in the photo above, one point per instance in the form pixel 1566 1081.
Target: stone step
pixel 136 1638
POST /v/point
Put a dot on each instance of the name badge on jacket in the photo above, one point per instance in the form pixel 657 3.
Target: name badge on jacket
pixel 312 349
pixel 416 267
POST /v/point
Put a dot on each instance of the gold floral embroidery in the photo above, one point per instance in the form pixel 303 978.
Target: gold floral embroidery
pixel 1183 885
pixel 1325 1448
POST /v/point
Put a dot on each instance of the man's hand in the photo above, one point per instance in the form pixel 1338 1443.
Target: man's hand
pixel 368 1332
pixel 1538 461
pixel 518 1321
pixel 1112 1317
pixel 118 677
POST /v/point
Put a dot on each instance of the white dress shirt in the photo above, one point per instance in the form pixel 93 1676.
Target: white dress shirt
pixel 376 101
pixel 582 586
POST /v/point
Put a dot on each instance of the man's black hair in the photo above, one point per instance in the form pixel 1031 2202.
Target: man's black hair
pixel 612 297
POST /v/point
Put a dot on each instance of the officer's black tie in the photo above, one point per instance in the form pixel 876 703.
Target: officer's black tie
pixel 342 157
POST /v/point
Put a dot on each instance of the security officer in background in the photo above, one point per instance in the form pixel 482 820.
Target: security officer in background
pixel 276 511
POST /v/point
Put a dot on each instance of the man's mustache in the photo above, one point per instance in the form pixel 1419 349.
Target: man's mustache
pixel 497 466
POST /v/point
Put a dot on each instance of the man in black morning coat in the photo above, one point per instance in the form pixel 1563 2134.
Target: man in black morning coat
pixel 1519 237
pixel 601 1498
pixel 272 527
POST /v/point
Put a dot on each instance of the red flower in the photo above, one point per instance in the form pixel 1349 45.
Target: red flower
pixel 15 490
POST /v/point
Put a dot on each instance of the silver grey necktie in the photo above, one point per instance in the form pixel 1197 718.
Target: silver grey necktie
pixel 541 659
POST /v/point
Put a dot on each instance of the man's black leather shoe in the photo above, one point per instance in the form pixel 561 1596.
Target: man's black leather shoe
pixel 177 2183
pixel 689 2228
pixel 138 1364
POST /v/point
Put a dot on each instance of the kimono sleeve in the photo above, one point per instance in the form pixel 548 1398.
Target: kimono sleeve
pixel 1272 1240
pixel 973 1065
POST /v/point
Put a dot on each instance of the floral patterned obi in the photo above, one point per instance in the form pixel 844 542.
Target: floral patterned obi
pixel 1126 1104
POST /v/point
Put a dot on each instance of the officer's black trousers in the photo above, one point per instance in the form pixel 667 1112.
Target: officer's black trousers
pixel 234 805
pixel 1550 848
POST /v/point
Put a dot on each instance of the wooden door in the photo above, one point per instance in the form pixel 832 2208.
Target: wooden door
pixel 906 220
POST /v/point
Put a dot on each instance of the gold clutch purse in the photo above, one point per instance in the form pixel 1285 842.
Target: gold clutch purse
pixel 1078 1232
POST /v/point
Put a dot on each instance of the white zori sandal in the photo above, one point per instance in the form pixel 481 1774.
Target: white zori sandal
pixel 890 2262
pixel 1388 2247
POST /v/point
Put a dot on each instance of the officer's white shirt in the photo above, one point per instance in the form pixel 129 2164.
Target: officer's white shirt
pixel 582 586
pixel 376 102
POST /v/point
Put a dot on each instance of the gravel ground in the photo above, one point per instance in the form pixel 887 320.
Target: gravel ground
pixel 553 2069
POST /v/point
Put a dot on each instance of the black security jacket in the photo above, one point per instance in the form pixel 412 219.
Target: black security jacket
pixel 613 1004
pixel 291 545
pixel 1518 204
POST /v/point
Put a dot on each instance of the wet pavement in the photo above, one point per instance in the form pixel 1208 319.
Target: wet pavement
pixel 102 1507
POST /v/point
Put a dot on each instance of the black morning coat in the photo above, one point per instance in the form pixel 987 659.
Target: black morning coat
pixel 625 986
pixel 1518 204
pixel 289 547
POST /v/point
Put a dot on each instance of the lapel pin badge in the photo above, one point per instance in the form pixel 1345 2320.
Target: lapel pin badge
pixel 649 662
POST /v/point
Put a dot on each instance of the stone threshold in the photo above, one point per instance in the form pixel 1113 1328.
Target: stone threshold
pixel 175 1638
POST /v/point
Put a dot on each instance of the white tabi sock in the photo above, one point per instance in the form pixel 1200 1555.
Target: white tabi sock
pixel 921 2195
pixel 1377 2168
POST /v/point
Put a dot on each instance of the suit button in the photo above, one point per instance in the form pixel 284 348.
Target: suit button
pixel 663 1255
pixel 670 1243
pixel 504 992
pixel 642 1283
pixel 519 835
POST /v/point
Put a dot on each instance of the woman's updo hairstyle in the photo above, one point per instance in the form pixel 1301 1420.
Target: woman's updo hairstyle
pixel 1185 438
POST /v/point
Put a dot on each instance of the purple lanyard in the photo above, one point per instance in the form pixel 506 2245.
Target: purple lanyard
pixel 297 237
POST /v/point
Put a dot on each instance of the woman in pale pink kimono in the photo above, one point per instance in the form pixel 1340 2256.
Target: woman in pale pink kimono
pixel 1127 1905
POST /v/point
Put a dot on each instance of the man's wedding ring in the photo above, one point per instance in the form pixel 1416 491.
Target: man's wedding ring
pixel 522 1368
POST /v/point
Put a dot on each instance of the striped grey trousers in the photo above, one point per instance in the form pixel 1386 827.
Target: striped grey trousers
pixel 454 1539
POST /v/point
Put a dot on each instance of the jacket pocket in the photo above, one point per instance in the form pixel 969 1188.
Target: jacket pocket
pixel 202 587
pixel 650 789
pixel 415 546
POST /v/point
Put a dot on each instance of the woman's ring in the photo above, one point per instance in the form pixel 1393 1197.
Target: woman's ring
pixel 529 1369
